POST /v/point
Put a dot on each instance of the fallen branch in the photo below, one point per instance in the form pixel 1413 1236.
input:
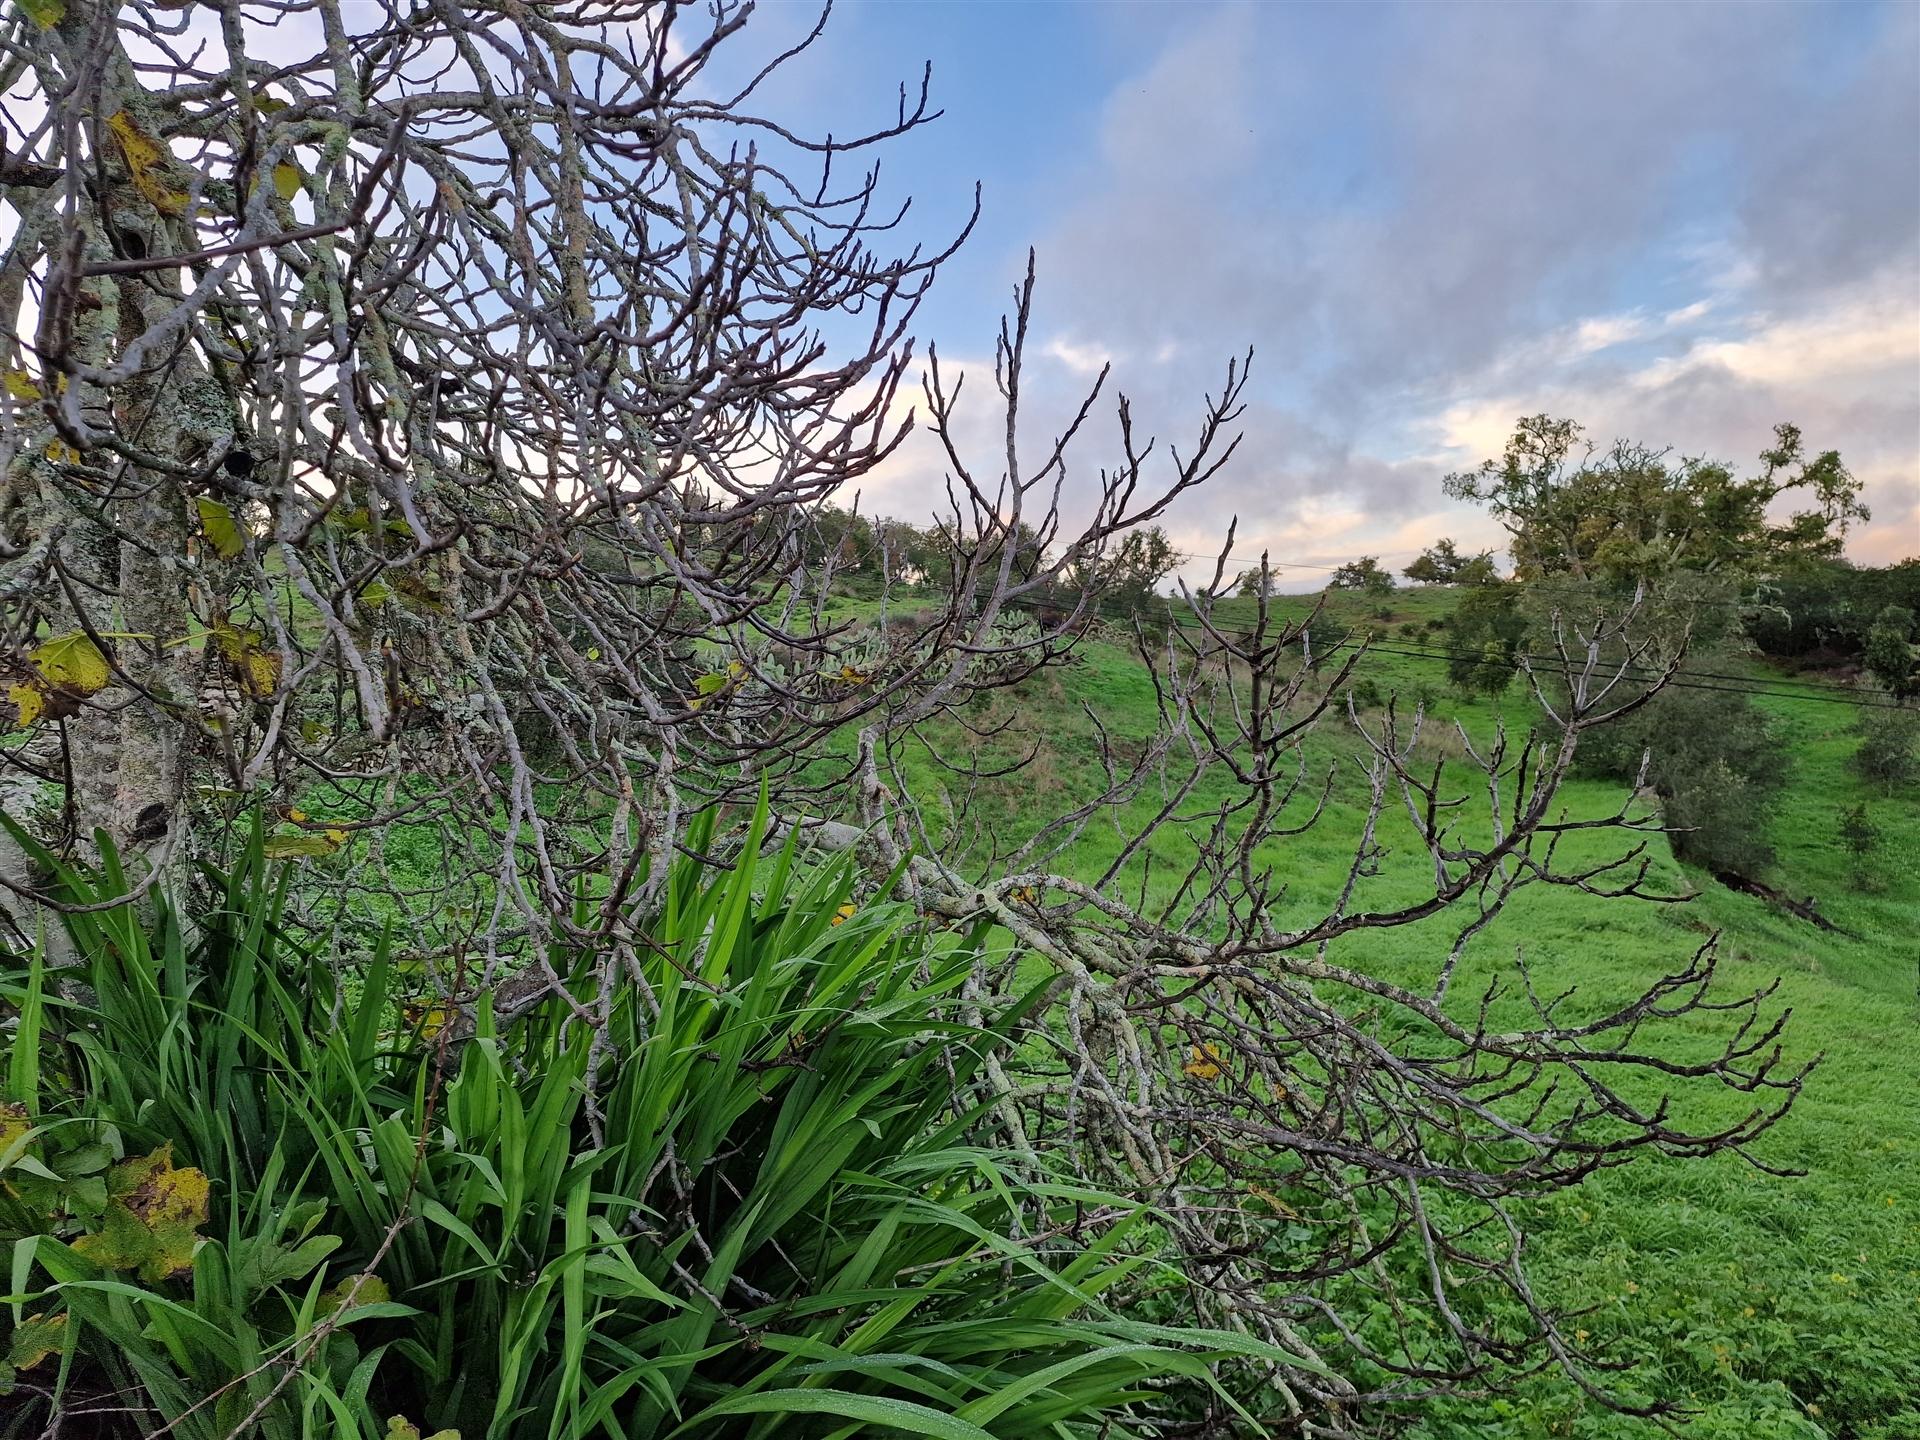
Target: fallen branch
pixel 1805 909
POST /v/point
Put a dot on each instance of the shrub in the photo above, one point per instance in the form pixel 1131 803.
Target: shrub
pixel 1861 838
pixel 1889 753
pixel 248 1195
pixel 1890 655
pixel 1713 761
pixel 1488 627
pixel 1827 607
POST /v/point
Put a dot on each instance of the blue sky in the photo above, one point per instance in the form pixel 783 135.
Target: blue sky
pixel 1679 223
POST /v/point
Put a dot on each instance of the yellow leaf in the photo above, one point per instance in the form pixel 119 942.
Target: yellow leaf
pixel 263 673
pixel 1280 1206
pixel 401 1428
pixel 35 1338
pixel 291 847
pixel 286 180
pixel 364 1290
pixel 415 587
pixel 1204 1063
pixel 72 662
pixel 21 385
pixel 220 528
pixel 46 14
pixel 429 1020
pixel 233 641
pixel 146 160
pixel 28 702
pixel 254 666
pixel 152 1217
pixel 14 1123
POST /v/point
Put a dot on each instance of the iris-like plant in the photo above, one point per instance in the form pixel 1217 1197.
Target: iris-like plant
pixel 328 1213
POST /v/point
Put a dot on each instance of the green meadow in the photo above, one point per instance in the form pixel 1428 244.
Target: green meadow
pixel 1770 1306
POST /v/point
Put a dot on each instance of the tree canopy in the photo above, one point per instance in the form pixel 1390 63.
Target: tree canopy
pixel 1365 574
pixel 1442 564
pixel 1633 512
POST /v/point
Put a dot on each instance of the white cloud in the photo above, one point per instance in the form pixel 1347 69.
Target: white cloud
pixel 1082 358
pixel 1844 365
pixel 1846 340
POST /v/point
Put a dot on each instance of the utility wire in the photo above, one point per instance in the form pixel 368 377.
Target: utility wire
pixel 1282 564
pixel 1713 674
pixel 1690 680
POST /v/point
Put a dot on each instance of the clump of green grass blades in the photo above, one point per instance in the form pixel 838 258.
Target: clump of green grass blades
pixel 788 1228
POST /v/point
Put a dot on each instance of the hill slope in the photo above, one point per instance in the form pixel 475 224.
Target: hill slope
pixel 1774 1307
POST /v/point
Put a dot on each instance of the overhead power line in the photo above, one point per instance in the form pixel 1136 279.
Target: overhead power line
pixel 1859 699
pixel 1280 564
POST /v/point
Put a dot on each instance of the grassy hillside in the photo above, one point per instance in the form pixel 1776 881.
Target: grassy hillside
pixel 1773 1307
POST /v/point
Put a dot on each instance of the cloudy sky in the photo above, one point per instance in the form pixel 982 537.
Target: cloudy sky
pixel 1679 223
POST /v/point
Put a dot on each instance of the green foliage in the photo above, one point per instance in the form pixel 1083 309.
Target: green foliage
pixel 1889 753
pixel 1251 584
pixel 1365 693
pixel 1711 757
pixel 1128 578
pixel 1634 512
pixel 1487 630
pixel 1889 654
pixel 772 1219
pixel 1364 574
pixel 1862 838
pixel 1823 610
pixel 1443 564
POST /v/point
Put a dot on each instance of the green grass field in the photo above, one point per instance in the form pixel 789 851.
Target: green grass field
pixel 1771 1307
